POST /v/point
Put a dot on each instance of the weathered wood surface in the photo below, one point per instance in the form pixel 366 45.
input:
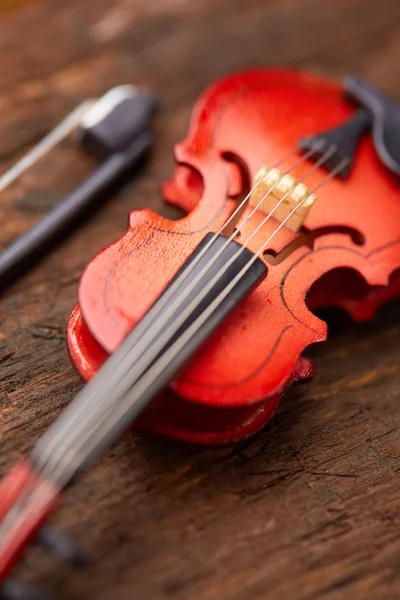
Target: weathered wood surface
pixel 310 507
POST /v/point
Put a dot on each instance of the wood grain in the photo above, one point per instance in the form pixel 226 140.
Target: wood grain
pixel 310 507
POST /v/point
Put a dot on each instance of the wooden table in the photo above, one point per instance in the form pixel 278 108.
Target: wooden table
pixel 310 507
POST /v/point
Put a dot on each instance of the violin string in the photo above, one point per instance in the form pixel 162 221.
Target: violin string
pixel 73 449
pixel 50 442
pixel 141 330
pixel 122 413
pixel 145 323
pixel 122 369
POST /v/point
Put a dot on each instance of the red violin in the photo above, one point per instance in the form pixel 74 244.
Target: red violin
pixel 195 328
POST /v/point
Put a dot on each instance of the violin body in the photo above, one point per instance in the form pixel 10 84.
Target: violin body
pixel 347 254
pixel 195 328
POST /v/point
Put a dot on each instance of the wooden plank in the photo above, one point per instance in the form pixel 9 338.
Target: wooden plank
pixel 308 508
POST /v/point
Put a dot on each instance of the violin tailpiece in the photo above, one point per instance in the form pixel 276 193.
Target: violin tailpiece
pixel 343 139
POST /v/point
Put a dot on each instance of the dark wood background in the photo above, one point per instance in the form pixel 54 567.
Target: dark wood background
pixel 310 508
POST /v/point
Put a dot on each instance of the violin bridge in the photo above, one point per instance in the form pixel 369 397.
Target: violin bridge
pixel 283 195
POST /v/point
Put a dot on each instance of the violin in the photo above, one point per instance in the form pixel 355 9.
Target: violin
pixel 195 328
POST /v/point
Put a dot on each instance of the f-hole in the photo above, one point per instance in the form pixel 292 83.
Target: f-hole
pixel 233 158
pixel 307 238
